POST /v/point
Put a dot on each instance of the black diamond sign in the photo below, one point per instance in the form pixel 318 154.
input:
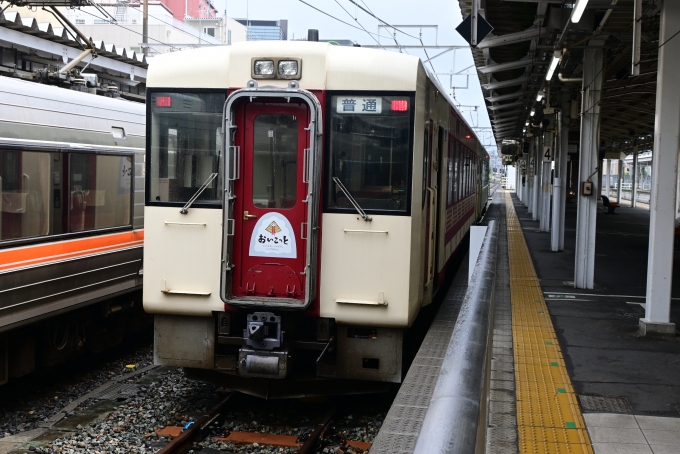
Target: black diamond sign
pixel 465 28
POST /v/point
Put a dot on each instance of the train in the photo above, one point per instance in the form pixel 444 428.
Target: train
pixel 304 203
pixel 71 223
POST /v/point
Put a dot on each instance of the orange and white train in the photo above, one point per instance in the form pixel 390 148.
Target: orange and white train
pixel 304 202
pixel 71 222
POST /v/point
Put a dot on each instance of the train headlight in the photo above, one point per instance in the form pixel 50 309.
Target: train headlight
pixel 264 67
pixel 288 68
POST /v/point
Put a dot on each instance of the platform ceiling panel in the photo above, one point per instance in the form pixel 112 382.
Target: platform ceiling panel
pixel 628 102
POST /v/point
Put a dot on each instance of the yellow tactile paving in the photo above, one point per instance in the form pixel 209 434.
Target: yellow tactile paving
pixel 548 416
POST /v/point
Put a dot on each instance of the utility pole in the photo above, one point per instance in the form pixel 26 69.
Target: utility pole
pixel 145 28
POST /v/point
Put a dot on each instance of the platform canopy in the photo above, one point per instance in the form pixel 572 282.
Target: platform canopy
pixel 512 63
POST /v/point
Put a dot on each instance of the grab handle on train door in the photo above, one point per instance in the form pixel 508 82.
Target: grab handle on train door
pixel 305 165
pixel 234 159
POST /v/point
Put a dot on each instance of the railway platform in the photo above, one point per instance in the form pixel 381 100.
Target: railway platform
pixel 569 371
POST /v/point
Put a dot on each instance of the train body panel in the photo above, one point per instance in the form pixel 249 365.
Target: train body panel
pixel 193 288
pixel 376 261
pixel 345 192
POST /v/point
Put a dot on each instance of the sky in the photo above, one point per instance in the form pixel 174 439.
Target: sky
pixel 445 14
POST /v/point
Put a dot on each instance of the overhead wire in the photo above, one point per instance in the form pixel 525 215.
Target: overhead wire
pixel 359 23
pixel 419 38
pixel 339 20
pixel 380 20
pixel 393 37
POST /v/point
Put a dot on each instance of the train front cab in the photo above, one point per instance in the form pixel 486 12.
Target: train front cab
pixel 304 251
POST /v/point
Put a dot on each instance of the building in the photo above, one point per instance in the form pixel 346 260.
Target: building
pixel 266 30
pixel 182 9
pixel 166 32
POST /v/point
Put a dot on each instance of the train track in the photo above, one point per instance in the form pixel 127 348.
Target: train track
pixel 321 436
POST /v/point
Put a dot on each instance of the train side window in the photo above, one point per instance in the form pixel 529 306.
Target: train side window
pixel 184 147
pixel 24 194
pixel 449 175
pixel 99 191
pixel 370 152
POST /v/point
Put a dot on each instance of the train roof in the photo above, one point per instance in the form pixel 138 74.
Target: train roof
pixel 324 66
pixel 33 111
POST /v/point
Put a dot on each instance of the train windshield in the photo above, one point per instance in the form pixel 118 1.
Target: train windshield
pixel 185 146
pixel 370 152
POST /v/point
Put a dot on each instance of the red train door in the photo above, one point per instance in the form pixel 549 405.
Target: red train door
pixel 270 211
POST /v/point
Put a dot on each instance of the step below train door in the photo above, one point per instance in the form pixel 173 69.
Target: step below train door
pixel 272 197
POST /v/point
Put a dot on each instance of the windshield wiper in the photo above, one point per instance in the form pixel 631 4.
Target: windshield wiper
pixel 185 208
pixel 351 199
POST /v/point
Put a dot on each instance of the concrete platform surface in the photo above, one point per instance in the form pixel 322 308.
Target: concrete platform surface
pixel 598 329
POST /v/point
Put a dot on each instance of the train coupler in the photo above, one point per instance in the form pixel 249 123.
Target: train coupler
pixel 263 364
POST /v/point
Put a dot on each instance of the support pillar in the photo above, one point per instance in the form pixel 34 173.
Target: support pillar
pixel 620 183
pixel 558 184
pixel 521 186
pixel 564 164
pixel 584 270
pixel 663 202
pixel 633 186
pixel 547 141
pixel 530 178
pixel 609 177
pixel 536 192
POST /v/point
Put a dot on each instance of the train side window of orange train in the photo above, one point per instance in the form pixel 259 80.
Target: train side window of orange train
pixel 24 194
pixel 99 191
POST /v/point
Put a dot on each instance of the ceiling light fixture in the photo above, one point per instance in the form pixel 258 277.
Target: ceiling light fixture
pixel 579 8
pixel 557 55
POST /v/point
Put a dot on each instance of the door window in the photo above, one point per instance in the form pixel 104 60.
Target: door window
pixel 275 158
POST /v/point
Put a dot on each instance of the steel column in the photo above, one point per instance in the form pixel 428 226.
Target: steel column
pixel 663 202
pixel 564 171
pixel 544 226
pixel 620 182
pixel 557 186
pixel 535 193
pixel 584 270
pixel 539 180
pixel 518 188
pixel 530 177
pixel 609 177
pixel 633 186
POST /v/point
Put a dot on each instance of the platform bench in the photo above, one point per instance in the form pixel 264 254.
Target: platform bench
pixel 611 206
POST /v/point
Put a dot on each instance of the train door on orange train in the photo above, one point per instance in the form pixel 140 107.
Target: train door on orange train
pixel 270 210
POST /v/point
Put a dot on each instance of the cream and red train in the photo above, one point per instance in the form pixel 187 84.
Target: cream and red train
pixel 71 223
pixel 303 204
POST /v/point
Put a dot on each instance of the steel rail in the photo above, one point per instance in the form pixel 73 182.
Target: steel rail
pixel 457 410
pixel 312 443
pixel 183 442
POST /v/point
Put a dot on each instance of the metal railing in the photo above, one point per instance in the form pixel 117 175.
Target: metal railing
pixel 456 420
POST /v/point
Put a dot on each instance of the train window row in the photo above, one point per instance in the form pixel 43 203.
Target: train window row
pixel 55 193
pixel 461 172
